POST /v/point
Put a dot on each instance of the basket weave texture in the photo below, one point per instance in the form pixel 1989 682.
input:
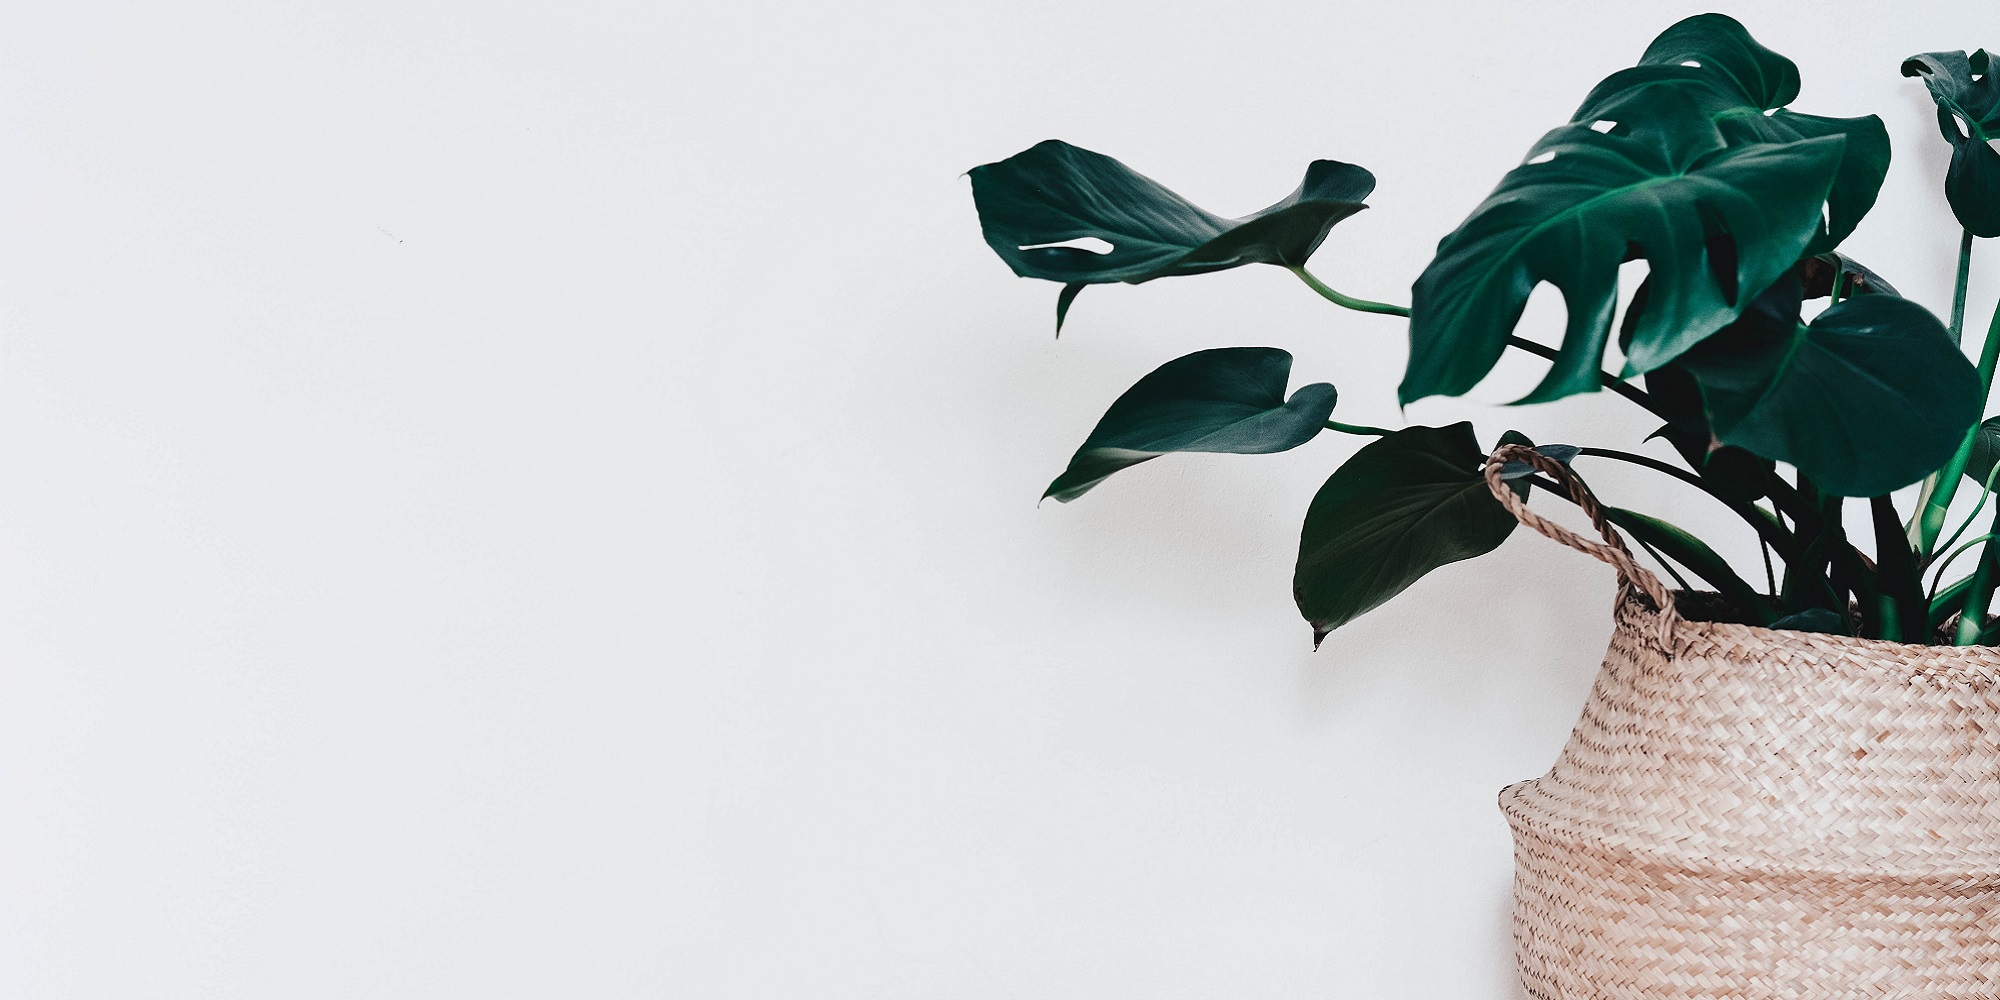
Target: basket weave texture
pixel 1746 812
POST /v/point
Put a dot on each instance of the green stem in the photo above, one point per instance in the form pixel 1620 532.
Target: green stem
pixel 1900 583
pixel 1768 530
pixel 1985 494
pixel 1940 486
pixel 1978 596
pixel 1335 425
pixel 1608 380
pixel 1348 301
pixel 1958 290
pixel 1945 563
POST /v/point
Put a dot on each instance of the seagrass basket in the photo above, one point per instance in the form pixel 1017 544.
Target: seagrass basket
pixel 1747 812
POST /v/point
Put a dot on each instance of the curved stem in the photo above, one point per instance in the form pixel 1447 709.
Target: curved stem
pixel 1335 425
pixel 1945 563
pixel 1985 494
pixel 1347 301
pixel 1768 530
pixel 1608 380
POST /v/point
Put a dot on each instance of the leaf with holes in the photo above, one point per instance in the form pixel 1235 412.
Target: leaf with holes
pixel 1715 223
pixel 1869 397
pixel 1063 213
pixel 1230 399
pixel 1968 113
pixel 1742 89
pixel 1401 507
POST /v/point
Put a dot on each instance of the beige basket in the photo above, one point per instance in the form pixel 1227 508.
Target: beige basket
pixel 1746 812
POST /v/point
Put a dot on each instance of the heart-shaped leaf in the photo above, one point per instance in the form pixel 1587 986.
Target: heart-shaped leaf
pixel 1742 88
pixel 1869 397
pixel 1968 113
pixel 1401 507
pixel 1229 399
pixel 1711 221
pixel 1033 203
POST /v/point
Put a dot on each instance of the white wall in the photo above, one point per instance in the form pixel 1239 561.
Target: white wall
pixel 539 500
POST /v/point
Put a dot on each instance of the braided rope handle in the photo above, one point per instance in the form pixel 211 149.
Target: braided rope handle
pixel 1612 550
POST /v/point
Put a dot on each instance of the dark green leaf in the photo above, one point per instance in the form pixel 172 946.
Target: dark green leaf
pixel 1968 114
pixel 1521 484
pixel 1692 552
pixel 1230 399
pixel 1985 451
pixel 1855 277
pixel 1401 507
pixel 1517 469
pixel 1742 88
pixel 1710 220
pixel 1063 300
pixel 1055 193
pixel 1824 620
pixel 1869 397
pixel 1905 616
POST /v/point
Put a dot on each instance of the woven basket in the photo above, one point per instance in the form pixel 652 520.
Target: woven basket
pixel 1747 812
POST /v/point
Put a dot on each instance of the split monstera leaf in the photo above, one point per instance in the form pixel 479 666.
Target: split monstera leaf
pixel 1693 161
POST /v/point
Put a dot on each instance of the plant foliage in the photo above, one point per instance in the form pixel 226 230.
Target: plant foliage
pixel 1692 160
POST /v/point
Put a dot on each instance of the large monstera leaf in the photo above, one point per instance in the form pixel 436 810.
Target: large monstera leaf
pixel 1742 88
pixel 1868 397
pixel 1968 113
pixel 1716 224
pixel 1230 399
pixel 1401 507
pixel 1055 193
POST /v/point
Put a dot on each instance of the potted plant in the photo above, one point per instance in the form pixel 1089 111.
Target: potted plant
pixel 1785 789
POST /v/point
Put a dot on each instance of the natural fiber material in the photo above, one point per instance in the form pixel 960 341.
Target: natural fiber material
pixel 1746 812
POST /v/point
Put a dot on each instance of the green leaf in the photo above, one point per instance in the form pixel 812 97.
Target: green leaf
pixel 1742 88
pixel 1711 221
pixel 1401 507
pixel 1869 397
pixel 1985 451
pixel 1855 278
pixel 1056 193
pixel 1230 399
pixel 1676 544
pixel 1968 114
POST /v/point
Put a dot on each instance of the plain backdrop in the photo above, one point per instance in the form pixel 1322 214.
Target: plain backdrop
pixel 539 500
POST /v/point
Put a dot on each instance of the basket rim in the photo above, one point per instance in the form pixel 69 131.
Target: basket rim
pixel 1632 612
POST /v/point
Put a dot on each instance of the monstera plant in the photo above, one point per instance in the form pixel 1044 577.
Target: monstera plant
pixel 1786 376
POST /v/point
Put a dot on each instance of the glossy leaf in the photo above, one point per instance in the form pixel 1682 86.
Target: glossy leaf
pixel 1230 399
pixel 1742 88
pixel 1712 221
pixel 1816 274
pixel 1401 507
pixel 1056 193
pixel 1868 398
pixel 1968 114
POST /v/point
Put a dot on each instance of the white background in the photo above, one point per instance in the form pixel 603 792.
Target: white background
pixel 508 500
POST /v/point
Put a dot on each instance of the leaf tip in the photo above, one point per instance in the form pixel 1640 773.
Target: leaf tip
pixel 1320 632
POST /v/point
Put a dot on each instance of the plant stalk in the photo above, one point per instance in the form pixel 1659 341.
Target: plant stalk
pixel 1347 301
pixel 1940 486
